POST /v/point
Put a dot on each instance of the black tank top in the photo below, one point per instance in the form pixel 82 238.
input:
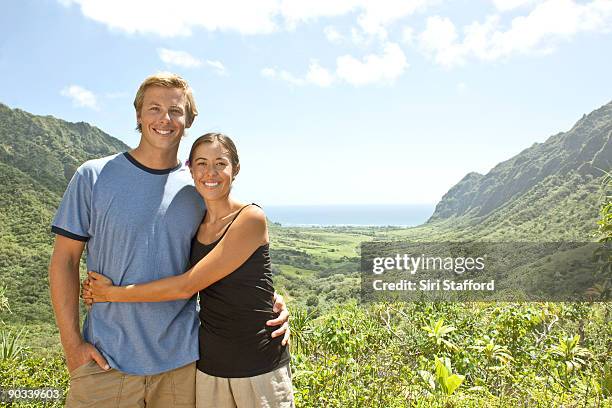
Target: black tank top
pixel 234 339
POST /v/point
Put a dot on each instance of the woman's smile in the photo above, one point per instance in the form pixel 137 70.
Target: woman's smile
pixel 212 184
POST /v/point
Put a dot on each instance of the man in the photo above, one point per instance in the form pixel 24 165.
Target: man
pixel 136 212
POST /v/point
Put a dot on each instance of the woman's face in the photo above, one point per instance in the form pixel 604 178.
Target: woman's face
pixel 211 169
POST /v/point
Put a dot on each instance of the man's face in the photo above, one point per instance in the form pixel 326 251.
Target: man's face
pixel 162 117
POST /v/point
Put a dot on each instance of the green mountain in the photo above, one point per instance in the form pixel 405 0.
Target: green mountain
pixel 583 151
pixel 38 155
pixel 550 191
pixel 494 355
pixel 50 149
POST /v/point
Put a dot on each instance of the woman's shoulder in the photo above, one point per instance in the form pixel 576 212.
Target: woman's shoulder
pixel 250 223
pixel 252 213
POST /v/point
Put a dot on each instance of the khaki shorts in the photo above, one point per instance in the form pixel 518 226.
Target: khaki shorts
pixel 91 386
pixel 269 390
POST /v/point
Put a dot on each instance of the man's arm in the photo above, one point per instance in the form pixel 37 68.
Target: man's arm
pixel 64 286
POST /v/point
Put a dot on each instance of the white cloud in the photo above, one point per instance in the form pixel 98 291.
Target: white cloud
pixel 378 14
pixel 383 68
pixel 178 58
pixel 298 11
pixel 318 75
pixel 372 16
pixel 81 97
pixel 408 35
pixel 549 22
pixel 332 35
pixel 289 77
pixel 268 72
pixel 273 73
pixel 186 60
pixel 462 87
pixel 439 38
pixel 507 5
pixel 539 32
pixel 217 66
pixel 358 38
pixel 243 16
pixel 363 39
pixel 374 68
pixel 157 17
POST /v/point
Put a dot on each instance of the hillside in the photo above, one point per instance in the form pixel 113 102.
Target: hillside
pixel 38 155
pixel 384 354
pixel 566 160
pixel 50 149
pixel 550 191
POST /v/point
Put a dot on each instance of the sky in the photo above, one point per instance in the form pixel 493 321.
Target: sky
pixel 329 102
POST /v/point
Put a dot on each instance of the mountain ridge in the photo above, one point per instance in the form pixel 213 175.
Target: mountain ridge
pixel 38 155
pixel 48 148
pixel 585 149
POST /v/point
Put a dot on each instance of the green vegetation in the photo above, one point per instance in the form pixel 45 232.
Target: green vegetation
pixel 344 353
pixel 496 355
pixel 38 155
pixel 582 151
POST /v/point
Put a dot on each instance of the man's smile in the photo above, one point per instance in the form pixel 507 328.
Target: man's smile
pixel 163 132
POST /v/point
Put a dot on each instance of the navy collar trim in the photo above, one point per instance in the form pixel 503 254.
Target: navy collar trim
pixel 148 169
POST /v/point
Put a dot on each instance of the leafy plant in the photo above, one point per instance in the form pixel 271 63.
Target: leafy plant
pixel 571 356
pixel 603 289
pixel 4 302
pixel 439 333
pixel 606 380
pixel 442 379
pixel 571 353
pixel 605 221
pixel 301 329
pixel 11 345
pixel 492 351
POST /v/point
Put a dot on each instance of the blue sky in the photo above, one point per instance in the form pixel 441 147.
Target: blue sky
pixel 347 101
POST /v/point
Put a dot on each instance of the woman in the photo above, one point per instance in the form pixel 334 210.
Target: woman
pixel 240 364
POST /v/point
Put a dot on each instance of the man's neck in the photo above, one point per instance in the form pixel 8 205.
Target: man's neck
pixel 155 159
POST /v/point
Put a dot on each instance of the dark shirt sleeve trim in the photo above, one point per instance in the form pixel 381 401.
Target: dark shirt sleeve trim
pixel 68 234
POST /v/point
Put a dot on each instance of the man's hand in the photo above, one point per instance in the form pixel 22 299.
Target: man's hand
pixel 81 354
pixel 282 320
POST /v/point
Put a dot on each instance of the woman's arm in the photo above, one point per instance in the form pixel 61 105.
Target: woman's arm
pixel 244 236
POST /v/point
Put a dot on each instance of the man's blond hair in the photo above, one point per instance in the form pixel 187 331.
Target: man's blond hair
pixel 168 80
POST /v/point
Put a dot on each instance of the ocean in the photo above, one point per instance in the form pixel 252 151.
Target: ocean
pixel 404 215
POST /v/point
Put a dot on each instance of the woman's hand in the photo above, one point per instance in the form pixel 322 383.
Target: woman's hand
pixel 84 287
pixel 97 288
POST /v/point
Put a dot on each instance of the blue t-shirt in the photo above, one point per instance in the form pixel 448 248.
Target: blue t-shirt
pixel 138 224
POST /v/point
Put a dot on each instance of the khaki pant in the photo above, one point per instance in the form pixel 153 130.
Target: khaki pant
pixel 91 386
pixel 269 390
